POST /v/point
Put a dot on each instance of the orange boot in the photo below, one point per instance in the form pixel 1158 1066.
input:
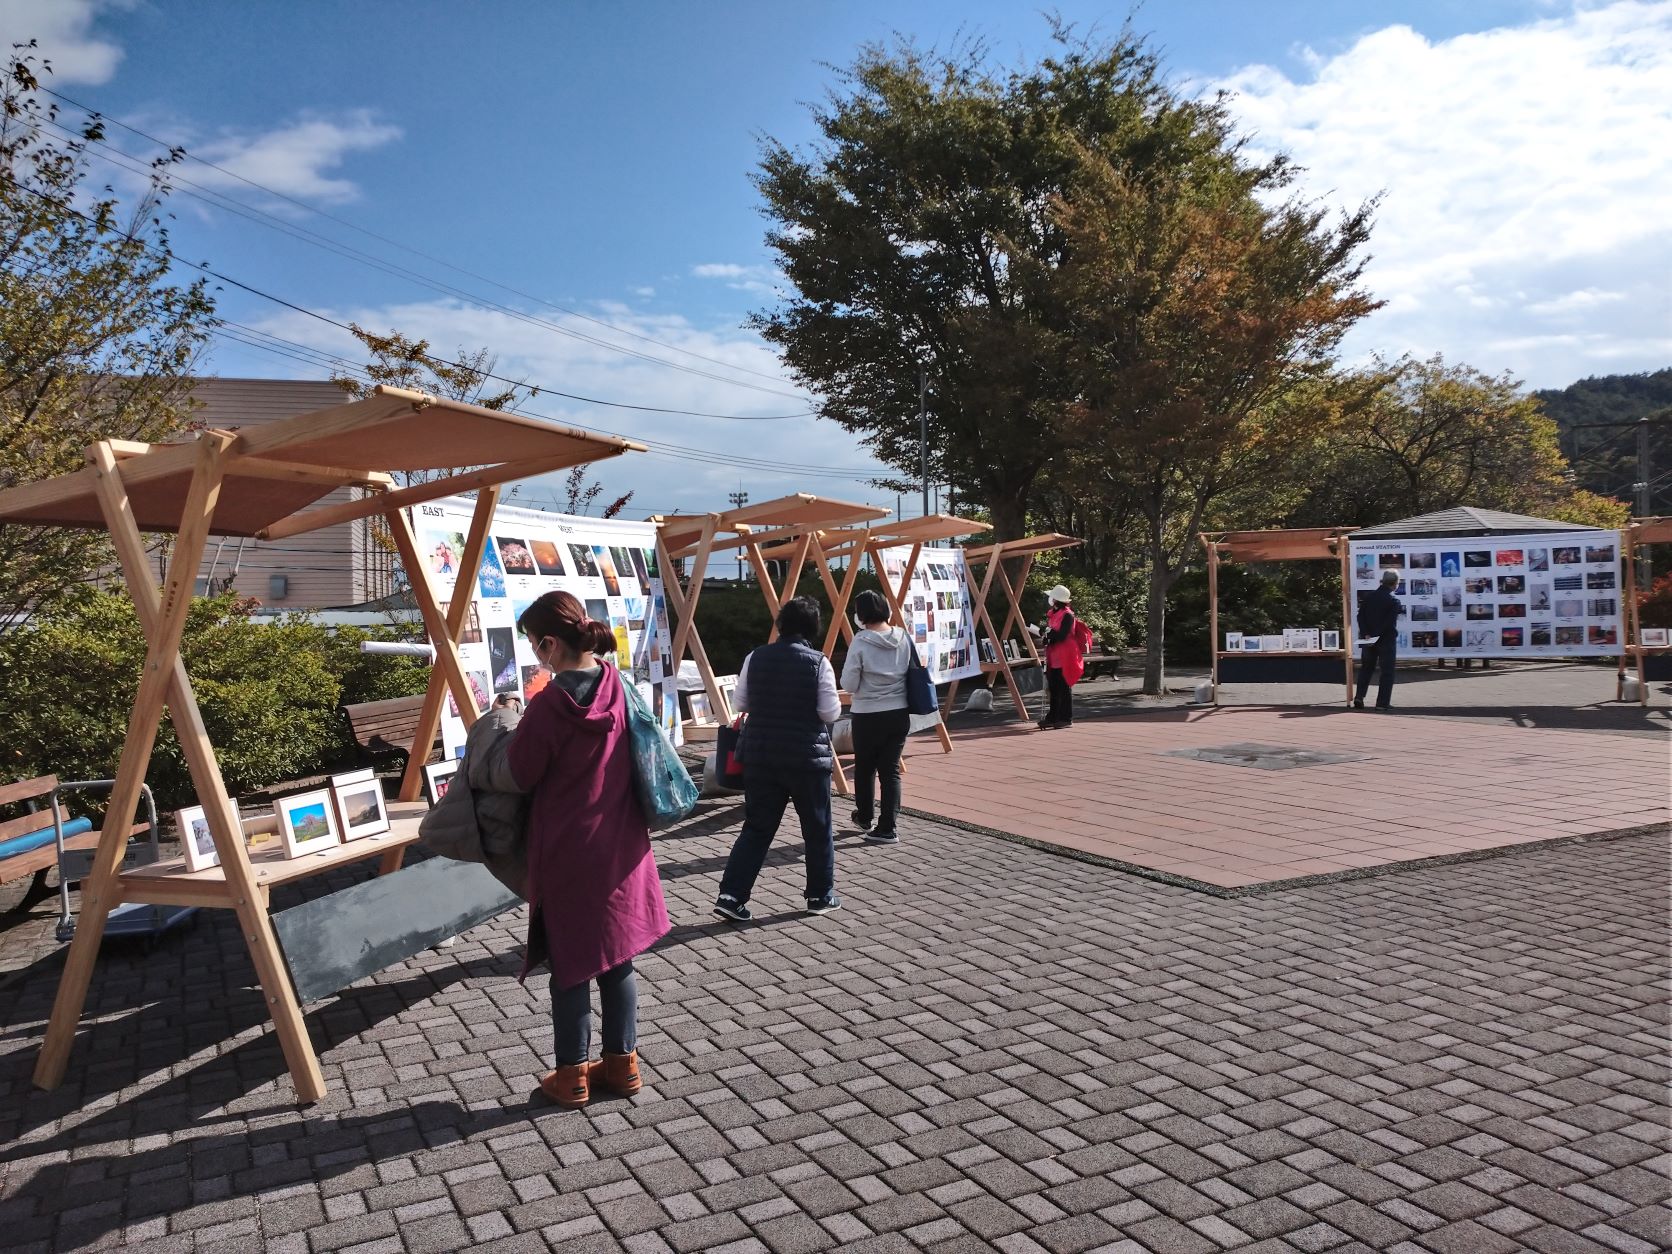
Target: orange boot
pixel 567 1086
pixel 619 1073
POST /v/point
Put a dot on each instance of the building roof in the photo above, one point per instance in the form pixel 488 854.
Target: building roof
pixel 1464 520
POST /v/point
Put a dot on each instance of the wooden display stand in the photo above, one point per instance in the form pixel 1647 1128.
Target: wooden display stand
pixel 699 536
pixel 993 557
pixel 1291 545
pixel 1637 533
pixel 262 483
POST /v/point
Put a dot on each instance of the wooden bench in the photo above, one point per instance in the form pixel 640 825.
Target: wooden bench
pixel 1097 661
pixel 386 728
pixel 34 831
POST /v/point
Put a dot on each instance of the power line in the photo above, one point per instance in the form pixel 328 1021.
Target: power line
pixel 390 268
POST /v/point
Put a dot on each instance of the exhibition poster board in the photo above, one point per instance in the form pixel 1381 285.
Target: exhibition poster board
pixel 1547 594
pixel 937 606
pixel 609 565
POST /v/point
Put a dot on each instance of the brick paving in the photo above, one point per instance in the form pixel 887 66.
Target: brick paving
pixel 1411 789
pixel 991 1047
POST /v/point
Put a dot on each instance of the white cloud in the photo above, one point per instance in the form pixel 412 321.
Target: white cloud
pixel 64 29
pixel 1525 181
pixel 756 280
pixel 664 482
pixel 297 158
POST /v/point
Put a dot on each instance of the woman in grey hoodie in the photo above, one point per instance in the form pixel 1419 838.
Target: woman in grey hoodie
pixel 874 676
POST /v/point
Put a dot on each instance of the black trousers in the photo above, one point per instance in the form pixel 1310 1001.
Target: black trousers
pixel 1381 655
pixel 878 741
pixel 1061 710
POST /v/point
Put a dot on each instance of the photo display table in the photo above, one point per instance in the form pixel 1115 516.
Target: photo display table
pixel 268 482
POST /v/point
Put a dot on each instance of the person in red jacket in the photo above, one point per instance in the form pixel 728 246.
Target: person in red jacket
pixel 1064 658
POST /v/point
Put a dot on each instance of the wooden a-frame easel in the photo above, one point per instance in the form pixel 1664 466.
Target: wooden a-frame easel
pixel 990 559
pixel 262 483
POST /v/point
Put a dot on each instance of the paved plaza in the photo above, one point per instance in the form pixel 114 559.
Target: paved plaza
pixel 991 1046
pixel 1238 797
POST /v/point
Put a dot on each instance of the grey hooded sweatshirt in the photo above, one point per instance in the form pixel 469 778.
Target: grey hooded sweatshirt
pixel 874 674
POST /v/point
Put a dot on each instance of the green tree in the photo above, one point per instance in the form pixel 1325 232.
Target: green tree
pixel 95 343
pixel 1444 435
pixel 1204 315
pixel 900 232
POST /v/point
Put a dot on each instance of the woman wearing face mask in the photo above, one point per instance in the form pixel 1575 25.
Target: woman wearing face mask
pixel 1064 659
pixel 874 676
pixel 595 896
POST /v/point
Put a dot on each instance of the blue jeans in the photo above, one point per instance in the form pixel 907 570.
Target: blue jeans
pixel 766 792
pixel 618 993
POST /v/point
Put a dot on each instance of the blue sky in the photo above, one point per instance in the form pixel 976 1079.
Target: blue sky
pixel 596 159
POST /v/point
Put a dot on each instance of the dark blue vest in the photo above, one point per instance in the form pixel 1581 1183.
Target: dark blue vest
pixel 784 730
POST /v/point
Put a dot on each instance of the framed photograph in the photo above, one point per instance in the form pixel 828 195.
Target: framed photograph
pixel 698 703
pixel 307 822
pixel 196 842
pixel 1652 637
pixel 1329 640
pixel 1233 642
pixel 360 807
pixel 437 775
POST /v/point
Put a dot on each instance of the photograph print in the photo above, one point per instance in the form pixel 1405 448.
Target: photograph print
pixel 1569 583
pixel 1538 600
pixel 1477 558
pixel 1424 561
pixel 437 776
pixel 1569 607
pixel 1480 638
pixel 1598 553
pixel 1596 633
pixel 1603 607
pixel 1538 559
pixel 1570 635
pixel 1512 609
pixel 360 807
pixel 1451 638
pixel 491 577
pixel 1567 555
pixel 307 823
pixel 1511 557
pixel 1451 600
pixel 1599 580
pixel 1510 638
pixel 197 843
pixel 1478 585
pixel 502 659
pixel 1425 640
pixel 1425 613
pixel 1364 566
pixel 514 555
pixel 586 567
pixel 641 568
pixel 606 568
pixel 1391 561
pixel 1451 565
pixel 1478 613
pixel 441 550
pixel 1422 587
pixel 1538 634
pixel 1511 585
pixel 546 557
pixel 622 558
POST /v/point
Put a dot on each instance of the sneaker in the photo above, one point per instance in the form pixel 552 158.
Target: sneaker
pixel 860 821
pixel 824 904
pixel 733 909
pixel 882 838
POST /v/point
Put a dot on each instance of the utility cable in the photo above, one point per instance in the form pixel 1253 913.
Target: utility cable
pixel 620 330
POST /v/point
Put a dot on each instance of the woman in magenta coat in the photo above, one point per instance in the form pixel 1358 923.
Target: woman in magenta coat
pixel 595 896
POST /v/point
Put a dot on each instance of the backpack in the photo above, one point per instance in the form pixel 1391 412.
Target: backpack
pixel 1082 634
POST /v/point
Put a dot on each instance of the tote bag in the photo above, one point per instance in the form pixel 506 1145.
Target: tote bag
pixel 728 755
pixel 920 692
pixel 665 789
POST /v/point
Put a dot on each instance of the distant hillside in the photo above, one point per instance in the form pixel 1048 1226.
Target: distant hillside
pixel 1605 458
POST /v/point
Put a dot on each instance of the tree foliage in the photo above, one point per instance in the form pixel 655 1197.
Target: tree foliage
pixel 269 692
pixel 95 343
pixel 901 231
pixel 1439 436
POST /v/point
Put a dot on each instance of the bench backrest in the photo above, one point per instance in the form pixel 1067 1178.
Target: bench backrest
pixel 385 725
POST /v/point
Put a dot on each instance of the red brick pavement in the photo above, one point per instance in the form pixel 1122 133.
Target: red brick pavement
pixel 1421 789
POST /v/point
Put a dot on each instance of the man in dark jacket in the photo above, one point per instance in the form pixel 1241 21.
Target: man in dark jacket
pixel 789 692
pixel 1378 630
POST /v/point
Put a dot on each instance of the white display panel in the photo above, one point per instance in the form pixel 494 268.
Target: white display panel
pixel 1549 594
pixel 937 605
pixel 609 565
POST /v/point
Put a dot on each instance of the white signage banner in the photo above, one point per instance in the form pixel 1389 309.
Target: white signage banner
pixel 609 565
pixel 937 605
pixel 1548 594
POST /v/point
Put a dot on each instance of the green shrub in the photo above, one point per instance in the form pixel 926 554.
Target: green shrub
pixel 269 694
pixel 1255 600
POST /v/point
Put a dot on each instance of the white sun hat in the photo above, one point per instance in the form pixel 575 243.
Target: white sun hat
pixel 1060 594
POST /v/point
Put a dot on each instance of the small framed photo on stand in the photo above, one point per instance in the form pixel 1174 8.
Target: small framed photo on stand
pixel 307 823
pixel 1329 641
pixel 197 843
pixel 1652 637
pixel 360 807
pixel 437 776
pixel 1233 642
pixel 698 703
